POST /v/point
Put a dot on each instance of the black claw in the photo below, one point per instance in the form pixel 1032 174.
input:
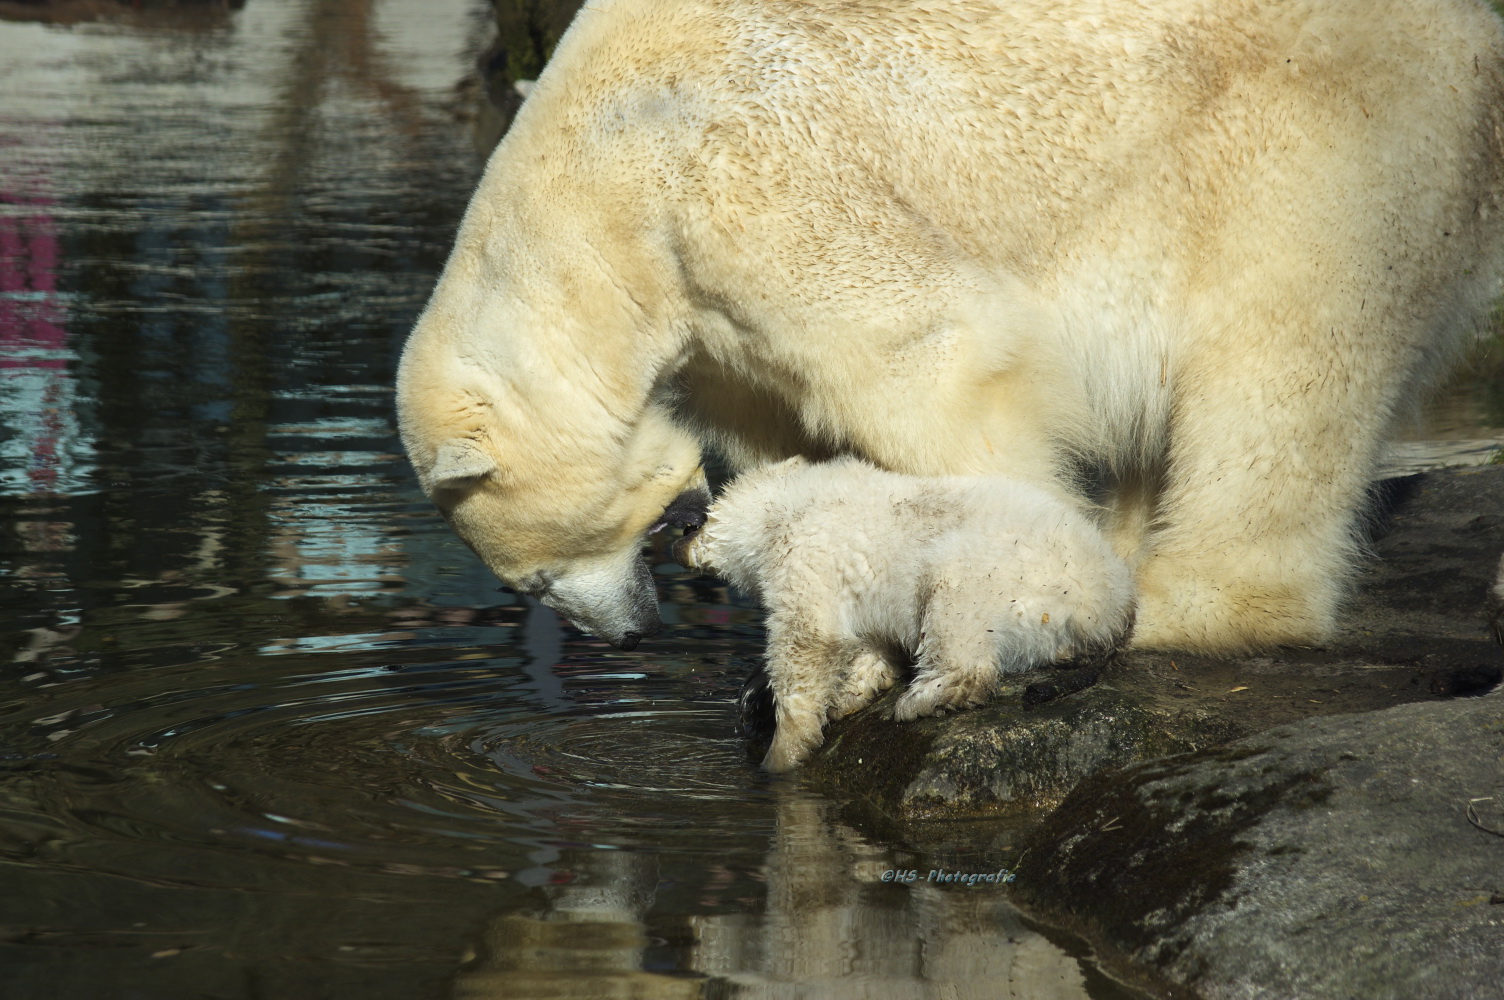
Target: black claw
pixel 755 708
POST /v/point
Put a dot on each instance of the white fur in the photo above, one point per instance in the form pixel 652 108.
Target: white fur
pixel 973 576
pixel 1209 248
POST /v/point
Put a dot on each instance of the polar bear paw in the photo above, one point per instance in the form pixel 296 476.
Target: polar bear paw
pixel 793 741
pixel 933 692
pixel 867 676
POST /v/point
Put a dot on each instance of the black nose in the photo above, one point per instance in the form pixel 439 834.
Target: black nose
pixel 688 509
pixel 630 640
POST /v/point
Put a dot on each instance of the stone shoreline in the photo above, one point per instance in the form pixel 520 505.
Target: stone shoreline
pixel 1292 824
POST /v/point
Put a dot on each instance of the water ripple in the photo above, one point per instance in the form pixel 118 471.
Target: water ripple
pixel 388 767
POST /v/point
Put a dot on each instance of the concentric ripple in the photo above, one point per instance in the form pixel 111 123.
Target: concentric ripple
pixel 462 767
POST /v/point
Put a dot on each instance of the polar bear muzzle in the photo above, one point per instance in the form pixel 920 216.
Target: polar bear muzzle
pixel 614 601
pixel 622 608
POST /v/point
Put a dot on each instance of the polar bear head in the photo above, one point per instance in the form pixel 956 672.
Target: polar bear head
pixel 581 559
pixel 553 495
pixel 535 395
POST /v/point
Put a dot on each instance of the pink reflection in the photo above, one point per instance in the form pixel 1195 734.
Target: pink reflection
pixel 30 316
pixel 33 339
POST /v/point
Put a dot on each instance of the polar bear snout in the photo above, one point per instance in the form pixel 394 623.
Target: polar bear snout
pixel 630 640
pixel 614 600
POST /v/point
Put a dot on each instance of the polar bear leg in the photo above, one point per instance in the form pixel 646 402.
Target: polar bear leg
pixel 1129 514
pixel 945 685
pixel 805 655
pixel 868 675
pixel 958 664
pixel 1254 532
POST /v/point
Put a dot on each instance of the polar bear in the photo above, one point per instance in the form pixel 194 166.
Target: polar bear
pixel 1199 253
pixel 972 577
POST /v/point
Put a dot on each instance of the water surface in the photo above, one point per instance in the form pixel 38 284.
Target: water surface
pixel 266 727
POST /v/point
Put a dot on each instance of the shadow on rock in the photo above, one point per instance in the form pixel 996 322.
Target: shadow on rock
pixel 1356 856
pixel 1417 630
pixel 1315 822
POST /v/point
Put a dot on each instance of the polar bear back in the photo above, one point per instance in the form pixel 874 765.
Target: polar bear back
pixel 881 545
pixel 999 172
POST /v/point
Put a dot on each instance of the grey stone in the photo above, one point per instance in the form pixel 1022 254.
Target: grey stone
pixel 1313 823
pixel 1416 630
pixel 1334 857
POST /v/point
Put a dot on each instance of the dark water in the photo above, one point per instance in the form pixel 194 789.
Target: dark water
pixel 266 728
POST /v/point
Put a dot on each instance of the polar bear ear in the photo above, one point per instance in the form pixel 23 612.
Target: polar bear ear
pixel 458 463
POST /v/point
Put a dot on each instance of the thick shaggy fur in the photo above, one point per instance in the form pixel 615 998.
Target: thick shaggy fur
pixel 972 577
pixel 1208 248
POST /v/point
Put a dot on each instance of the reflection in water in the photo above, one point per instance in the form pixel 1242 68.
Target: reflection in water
pixel 328 513
pixel 828 926
pixel 43 450
pixel 266 727
pixel 262 718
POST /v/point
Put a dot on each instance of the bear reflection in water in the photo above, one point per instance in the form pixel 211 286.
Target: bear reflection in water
pixel 824 925
pixel 862 570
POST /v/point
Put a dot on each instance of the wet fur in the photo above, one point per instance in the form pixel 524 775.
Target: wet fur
pixel 862 570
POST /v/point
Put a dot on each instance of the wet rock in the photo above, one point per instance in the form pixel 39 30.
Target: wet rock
pixel 1316 822
pixel 1006 757
pixel 1416 631
pixel 1355 856
pixel 1496 603
pixel 526 33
